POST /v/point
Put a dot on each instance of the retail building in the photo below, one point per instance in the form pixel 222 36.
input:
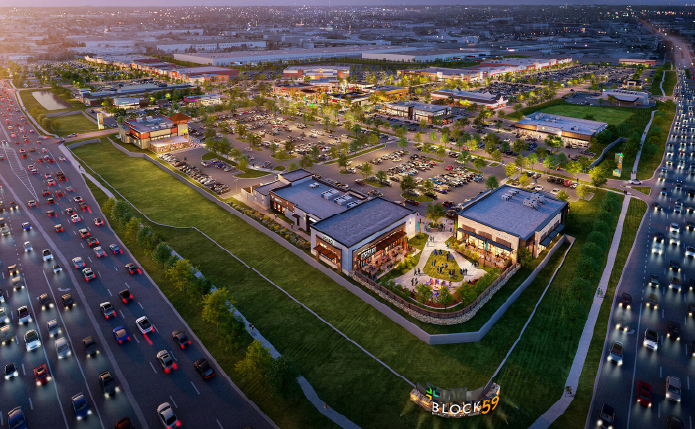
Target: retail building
pixel 416 111
pixel 489 100
pixel 156 133
pixel 571 130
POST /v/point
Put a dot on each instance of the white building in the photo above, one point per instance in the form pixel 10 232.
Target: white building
pixel 624 96
pixel 211 46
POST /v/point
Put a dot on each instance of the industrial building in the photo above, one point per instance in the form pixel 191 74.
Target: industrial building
pixel 90 98
pixel 571 130
pixel 424 56
pixel 498 223
pixel 211 46
pixel 204 99
pixel 486 99
pixel 443 73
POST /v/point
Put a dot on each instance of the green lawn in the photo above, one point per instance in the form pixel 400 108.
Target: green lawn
pixel 30 101
pixel 669 82
pixel 209 155
pixel 73 124
pixel 440 261
pixel 600 113
pixel 421 199
pixel 648 164
pixel 338 370
pixel 373 183
pixel 575 415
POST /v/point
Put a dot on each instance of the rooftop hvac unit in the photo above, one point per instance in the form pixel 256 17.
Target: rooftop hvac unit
pixel 528 202
pixel 506 197
pixel 328 194
pixel 353 204
pixel 314 185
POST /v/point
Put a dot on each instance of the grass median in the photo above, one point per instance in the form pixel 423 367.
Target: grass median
pixel 340 372
pixel 576 414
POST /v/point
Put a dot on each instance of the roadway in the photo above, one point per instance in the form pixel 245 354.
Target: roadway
pixel 617 384
pixel 143 385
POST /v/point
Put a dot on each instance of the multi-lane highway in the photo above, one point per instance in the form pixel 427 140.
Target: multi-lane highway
pixel 659 251
pixel 142 383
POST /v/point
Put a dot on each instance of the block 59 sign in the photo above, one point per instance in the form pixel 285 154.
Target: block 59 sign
pixel 456 403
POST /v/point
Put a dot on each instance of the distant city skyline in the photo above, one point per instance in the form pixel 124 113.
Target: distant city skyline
pixel 179 3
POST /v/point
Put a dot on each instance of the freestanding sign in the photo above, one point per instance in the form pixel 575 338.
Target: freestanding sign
pixel 100 120
pixel 619 162
pixel 456 402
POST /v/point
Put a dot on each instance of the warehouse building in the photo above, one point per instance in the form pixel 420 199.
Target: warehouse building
pixel 443 73
pixel 636 62
pixel 423 56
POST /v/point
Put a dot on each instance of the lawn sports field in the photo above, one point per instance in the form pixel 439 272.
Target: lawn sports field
pixel 347 378
pixel 601 114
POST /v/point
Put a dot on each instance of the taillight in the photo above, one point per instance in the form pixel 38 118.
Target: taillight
pixel 124 301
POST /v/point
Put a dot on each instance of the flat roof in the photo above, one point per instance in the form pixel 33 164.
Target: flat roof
pixel 359 222
pixel 420 106
pixel 265 188
pixel 386 88
pixel 512 216
pixel 316 67
pixel 310 200
pixel 445 70
pixel 455 92
pixel 237 54
pixel 150 123
pixel 564 123
pixel 295 175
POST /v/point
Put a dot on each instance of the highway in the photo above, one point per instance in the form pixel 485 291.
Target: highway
pixel 143 385
pixel 618 384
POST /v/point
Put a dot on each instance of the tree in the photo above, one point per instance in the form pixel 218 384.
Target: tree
pixel 582 191
pixel 256 362
pixel 496 156
pixel 524 180
pixel 216 306
pixel 407 183
pixel 461 291
pixel 181 274
pixel 403 143
pixel 381 176
pixel 281 374
pixel 532 159
pixel 553 142
pixel 132 228
pixel 598 177
pixel 161 253
pixel 479 163
pixel 509 170
pixel 342 160
pixel 573 312
pixel 492 183
pixel 445 297
pixel 464 157
pixel 441 152
pixel 423 292
pixel 366 170
pixel 243 164
pixel 120 209
pixel 229 336
pixel 435 211
pixel 524 256
pixel 563 196
pixel 108 206
pixel 519 145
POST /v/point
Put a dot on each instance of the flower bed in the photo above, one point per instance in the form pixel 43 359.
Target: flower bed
pixel 269 223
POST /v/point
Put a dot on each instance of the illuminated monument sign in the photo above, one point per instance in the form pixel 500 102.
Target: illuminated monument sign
pixel 457 402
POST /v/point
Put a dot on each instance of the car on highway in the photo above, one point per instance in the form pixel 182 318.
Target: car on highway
pixel 180 338
pixel 132 269
pixel 121 334
pixel 674 422
pixel 674 227
pixel 673 388
pixel 124 423
pixel 115 249
pixel 57 269
pixel 167 416
pixel 32 341
pixel 84 233
pixel 23 315
pixel 78 262
pixel 99 252
pixel 74 218
pixel 68 302
pixel 635 182
pixel 606 417
pixel 11 371
pixel 6 334
pixel 69 211
pixel 673 330
pixel 204 369
pixel 689 252
pixel 108 385
pixel 88 274
pixel 625 300
pixel 4 317
pixel 32 203
pixel 62 348
pixel 46 255
pixel 53 328
pixel 644 394
pixel 675 283
pixel 80 406
pixel 59 228
pixel 107 310
pixel 125 296
pixel 45 301
pixel 652 301
pixel 651 339
pixel 42 375
pixel 674 265
pixel 92 241
pixel 16 419
pixel 165 361
pixel 98 221
pixel 26 226
pixel 28 247
pixel 144 325
pixel 691 308
pixel 616 353
pixel 90 346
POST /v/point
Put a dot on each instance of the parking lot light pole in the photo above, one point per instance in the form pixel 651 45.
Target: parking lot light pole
pixel 236 180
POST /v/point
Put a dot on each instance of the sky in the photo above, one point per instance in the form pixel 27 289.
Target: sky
pixel 164 3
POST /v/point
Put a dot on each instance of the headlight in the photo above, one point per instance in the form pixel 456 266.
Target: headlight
pixel 600 422
pixel 645 343
pixel 89 412
pixel 620 362
pixel 38 383
pixel 668 395
pixel 106 395
pixel 79 417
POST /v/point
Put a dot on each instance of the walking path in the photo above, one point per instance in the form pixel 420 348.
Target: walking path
pixel 559 407
pixel 633 173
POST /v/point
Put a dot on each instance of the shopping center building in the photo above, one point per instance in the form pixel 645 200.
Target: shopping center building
pixel 156 133
pixel 416 111
pixel 498 223
pixel 370 237
pixel 484 99
pixel 571 130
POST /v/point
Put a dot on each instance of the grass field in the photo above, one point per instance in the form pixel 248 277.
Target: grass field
pixel 440 261
pixel 73 124
pixel 603 114
pixel 648 164
pixel 576 414
pixel 669 82
pixel 66 124
pixel 339 371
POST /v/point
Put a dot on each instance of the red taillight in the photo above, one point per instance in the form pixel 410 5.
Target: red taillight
pixel 175 365
pixel 178 423
pixel 125 301
pixel 189 342
pixel 181 345
pixel 106 315
pixel 120 341
pixel 128 337
pixel 166 370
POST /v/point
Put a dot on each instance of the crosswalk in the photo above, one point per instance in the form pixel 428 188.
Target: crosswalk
pixel 21 173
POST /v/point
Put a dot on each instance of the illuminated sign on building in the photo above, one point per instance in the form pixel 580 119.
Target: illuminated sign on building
pixel 456 403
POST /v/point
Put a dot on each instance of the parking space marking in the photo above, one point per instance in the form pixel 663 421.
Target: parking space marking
pixel 172 401
pixel 659 413
pixel 153 368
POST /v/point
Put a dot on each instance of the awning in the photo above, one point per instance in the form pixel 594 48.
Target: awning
pixel 546 241
pixel 390 240
pixel 487 240
pixel 325 252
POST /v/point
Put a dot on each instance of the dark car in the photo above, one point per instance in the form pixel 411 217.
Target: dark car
pixel 107 310
pixel 125 295
pixel 121 334
pixel 132 269
pixel 80 406
pixel 108 384
pixel 84 233
pixel 90 346
pixel 625 300
pixel 412 202
pixel 673 330
pixel 41 374
pixel 16 419
pixel 124 423
pixel 68 302
pixel 674 265
pixel 181 338
pixel 653 280
pixel 644 394
pixel 92 241
pixel 204 368
pixel 59 228
pixel 606 416
pixel 45 301
pixel 674 422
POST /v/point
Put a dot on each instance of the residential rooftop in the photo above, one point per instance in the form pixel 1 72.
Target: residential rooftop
pixel 512 216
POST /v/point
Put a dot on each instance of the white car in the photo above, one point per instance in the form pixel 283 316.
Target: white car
pixel 62 348
pixel 4 317
pixel 167 416
pixel 635 182
pixel 75 218
pixel 674 227
pixel 47 255
pixel 555 191
pixel 31 339
pixel 658 248
pixel 28 247
pixel 538 188
pixel 144 325
pixel 673 239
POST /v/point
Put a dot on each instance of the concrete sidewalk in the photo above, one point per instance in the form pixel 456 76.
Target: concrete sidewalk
pixel 559 407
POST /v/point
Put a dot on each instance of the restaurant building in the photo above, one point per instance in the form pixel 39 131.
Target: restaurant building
pixel 498 223
pixel 156 133
pixel 485 99
pixel 416 111
pixel 570 130
pixel 370 237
